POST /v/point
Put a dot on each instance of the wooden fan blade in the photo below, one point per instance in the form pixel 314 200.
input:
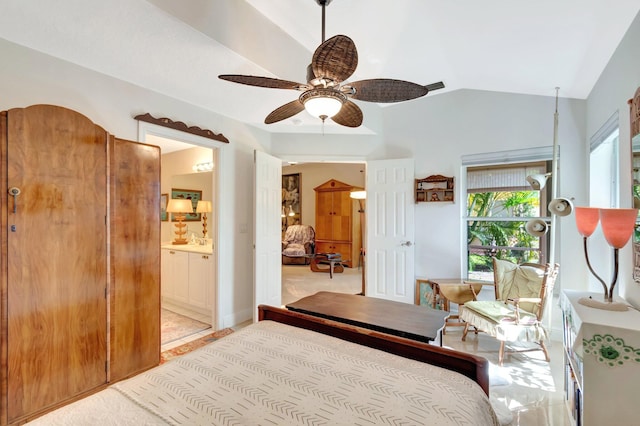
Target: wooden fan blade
pixel 272 83
pixel 383 90
pixel 435 86
pixel 350 115
pixel 284 112
pixel 335 59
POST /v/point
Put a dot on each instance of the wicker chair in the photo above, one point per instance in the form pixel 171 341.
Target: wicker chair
pixel 298 245
pixel 522 295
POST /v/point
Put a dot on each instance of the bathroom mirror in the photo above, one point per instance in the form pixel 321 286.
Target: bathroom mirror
pixel 202 182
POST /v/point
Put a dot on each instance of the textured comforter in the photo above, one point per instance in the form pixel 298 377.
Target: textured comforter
pixel 274 374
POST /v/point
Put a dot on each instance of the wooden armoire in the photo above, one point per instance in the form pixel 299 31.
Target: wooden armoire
pixel 338 221
pixel 80 259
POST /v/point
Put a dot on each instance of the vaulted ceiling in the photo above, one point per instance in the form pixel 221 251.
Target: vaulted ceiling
pixel 180 48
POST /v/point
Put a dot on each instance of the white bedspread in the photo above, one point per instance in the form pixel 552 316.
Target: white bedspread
pixel 274 374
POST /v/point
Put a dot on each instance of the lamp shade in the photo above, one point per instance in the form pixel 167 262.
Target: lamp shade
pixel 561 206
pixel 203 207
pixel 536 227
pixel 617 225
pixel 587 220
pixel 358 195
pixel 538 181
pixel 323 106
pixel 179 206
pixel 322 102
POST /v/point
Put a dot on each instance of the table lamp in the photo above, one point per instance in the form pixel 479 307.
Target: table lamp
pixel 180 207
pixel 204 207
pixel 617 227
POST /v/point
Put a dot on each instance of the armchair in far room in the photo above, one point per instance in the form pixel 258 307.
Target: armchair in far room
pixel 523 294
pixel 298 245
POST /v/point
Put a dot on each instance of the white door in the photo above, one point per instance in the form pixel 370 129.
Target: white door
pixel 390 230
pixel 267 278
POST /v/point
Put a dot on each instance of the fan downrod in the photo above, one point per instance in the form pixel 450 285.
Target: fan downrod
pixel 323 3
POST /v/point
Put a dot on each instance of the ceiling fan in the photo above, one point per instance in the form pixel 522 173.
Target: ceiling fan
pixel 326 93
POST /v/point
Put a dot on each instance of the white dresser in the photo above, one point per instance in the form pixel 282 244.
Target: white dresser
pixel 602 362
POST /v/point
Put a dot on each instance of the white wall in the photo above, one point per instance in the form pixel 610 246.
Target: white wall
pixel 437 131
pixel 28 77
pixel 616 85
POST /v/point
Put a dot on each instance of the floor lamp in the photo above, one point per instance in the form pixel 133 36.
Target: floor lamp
pixel 361 196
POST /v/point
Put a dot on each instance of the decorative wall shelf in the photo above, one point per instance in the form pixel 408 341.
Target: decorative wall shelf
pixel 434 189
pixel 179 125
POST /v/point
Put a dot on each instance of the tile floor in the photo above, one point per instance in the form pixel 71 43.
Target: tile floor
pixel 186 339
pixel 531 388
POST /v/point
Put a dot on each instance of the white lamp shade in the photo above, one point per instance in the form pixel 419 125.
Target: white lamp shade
pixel 561 206
pixel 358 195
pixel 179 206
pixel 537 181
pixel 536 227
pixel 322 106
pixel 203 207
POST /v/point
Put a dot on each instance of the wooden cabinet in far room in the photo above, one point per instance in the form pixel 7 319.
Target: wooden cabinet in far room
pixel 338 221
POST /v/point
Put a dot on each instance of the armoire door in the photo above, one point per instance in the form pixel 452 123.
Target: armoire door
pixel 135 258
pixel 341 221
pixel 324 215
pixel 56 249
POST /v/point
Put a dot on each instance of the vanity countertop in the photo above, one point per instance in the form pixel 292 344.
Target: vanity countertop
pixel 192 248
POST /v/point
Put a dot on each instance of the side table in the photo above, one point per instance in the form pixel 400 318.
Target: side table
pixel 333 259
pixel 446 290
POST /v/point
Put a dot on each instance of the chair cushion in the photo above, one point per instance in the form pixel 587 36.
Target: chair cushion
pixel 499 320
pixel 294 250
pixel 516 281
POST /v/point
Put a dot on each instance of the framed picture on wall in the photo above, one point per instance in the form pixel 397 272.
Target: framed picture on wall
pixel 164 199
pixel 189 194
pixel 291 200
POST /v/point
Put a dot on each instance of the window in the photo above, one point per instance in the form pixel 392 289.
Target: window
pixel 499 204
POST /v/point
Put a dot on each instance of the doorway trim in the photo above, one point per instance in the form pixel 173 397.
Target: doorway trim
pixel 324 158
pixel 223 260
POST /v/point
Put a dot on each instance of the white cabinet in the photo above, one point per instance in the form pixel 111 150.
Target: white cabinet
pixel 200 280
pixel 188 279
pixel 174 276
pixel 602 362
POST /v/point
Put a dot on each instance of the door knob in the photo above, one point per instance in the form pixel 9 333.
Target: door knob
pixel 13 191
pixel 406 244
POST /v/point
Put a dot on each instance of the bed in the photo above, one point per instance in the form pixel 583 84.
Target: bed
pixel 289 369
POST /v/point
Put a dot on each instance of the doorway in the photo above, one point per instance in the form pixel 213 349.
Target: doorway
pixel 189 274
pixel 298 280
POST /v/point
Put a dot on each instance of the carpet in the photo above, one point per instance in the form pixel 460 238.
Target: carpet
pixel 176 326
pixel 194 344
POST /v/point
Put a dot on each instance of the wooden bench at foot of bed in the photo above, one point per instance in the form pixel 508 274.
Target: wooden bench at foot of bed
pixel 472 366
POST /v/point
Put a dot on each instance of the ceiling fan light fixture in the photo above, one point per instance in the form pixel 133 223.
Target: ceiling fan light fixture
pixel 323 103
